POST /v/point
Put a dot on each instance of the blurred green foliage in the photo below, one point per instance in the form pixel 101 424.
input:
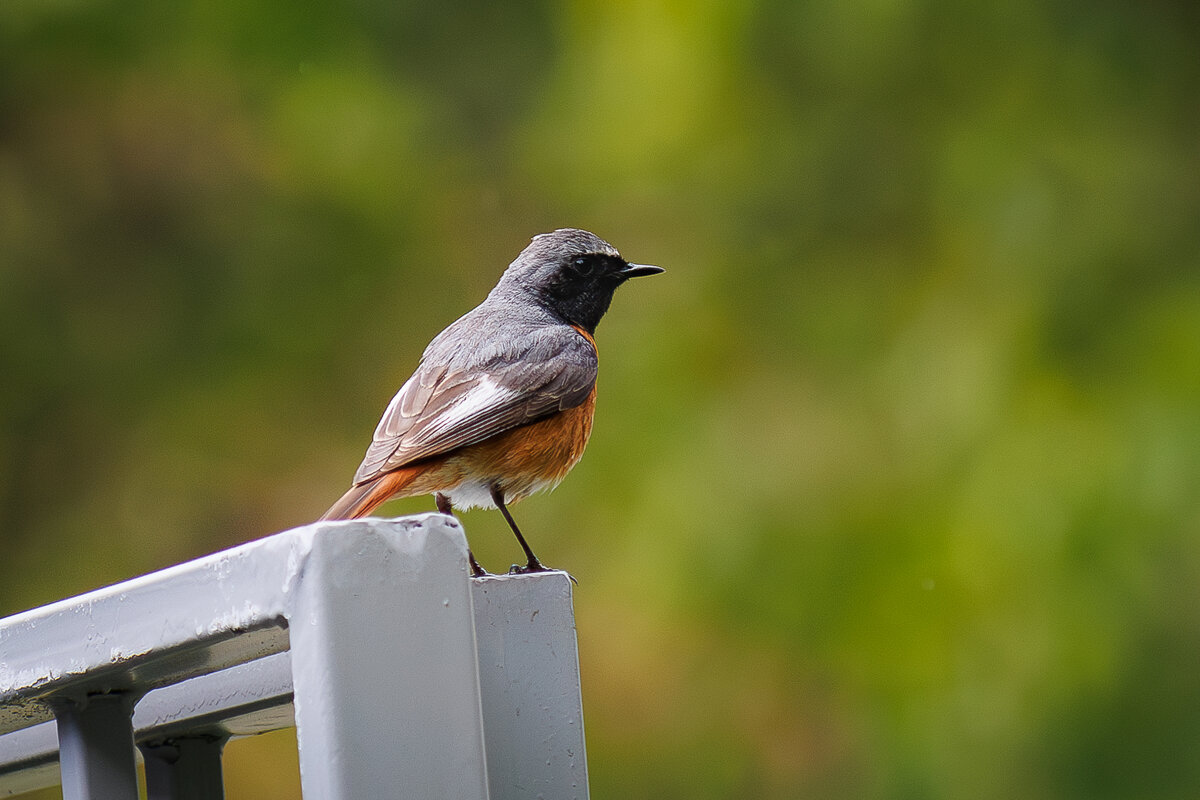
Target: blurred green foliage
pixel 893 491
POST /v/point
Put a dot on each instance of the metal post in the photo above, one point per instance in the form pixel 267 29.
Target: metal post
pixel 529 677
pixel 95 742
pixel 187 768
pixel 384 666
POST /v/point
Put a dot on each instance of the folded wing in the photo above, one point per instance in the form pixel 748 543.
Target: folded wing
pixel 445 407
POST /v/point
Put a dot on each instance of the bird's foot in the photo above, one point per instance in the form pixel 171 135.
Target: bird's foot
pixel 535 567
pixel 532 566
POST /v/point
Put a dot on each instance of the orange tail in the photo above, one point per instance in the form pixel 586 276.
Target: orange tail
pixel 364 498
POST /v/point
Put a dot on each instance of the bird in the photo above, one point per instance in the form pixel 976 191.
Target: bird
pixel 501 403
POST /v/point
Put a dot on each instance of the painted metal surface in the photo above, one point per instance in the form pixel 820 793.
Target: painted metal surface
pixel 186 768
pixel 95 741
pixel 239 701
pixel 529 673
pixel 401 653
pixel 384 670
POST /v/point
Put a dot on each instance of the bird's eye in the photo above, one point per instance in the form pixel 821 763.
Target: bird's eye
pixel 582 265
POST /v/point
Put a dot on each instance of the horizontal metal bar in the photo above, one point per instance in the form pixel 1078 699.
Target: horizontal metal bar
pixel 30 759
pixel 200 616
pixel 239 701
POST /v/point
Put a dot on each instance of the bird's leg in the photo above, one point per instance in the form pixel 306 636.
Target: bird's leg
pixel 443 505
pixel 531 564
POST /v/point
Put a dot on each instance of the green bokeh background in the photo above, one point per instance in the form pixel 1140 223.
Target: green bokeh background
pixel 894 490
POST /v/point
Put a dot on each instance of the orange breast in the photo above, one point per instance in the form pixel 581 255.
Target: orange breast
pixel 532 457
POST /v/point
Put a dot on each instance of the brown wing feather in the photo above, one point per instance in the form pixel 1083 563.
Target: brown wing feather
pixel 441 409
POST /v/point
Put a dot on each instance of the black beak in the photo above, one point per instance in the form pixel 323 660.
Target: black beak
pixel 638 270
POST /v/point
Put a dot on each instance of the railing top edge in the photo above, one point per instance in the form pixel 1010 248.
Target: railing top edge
pixel 117 630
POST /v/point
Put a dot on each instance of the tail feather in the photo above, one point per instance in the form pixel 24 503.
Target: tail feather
pixel 364 498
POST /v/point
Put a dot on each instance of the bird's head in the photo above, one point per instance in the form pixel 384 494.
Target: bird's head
pixel 571 272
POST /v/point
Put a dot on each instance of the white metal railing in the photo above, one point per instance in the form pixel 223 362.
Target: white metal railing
pixel 403 676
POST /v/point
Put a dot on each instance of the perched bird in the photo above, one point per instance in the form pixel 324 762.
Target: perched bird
pixel 501 404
